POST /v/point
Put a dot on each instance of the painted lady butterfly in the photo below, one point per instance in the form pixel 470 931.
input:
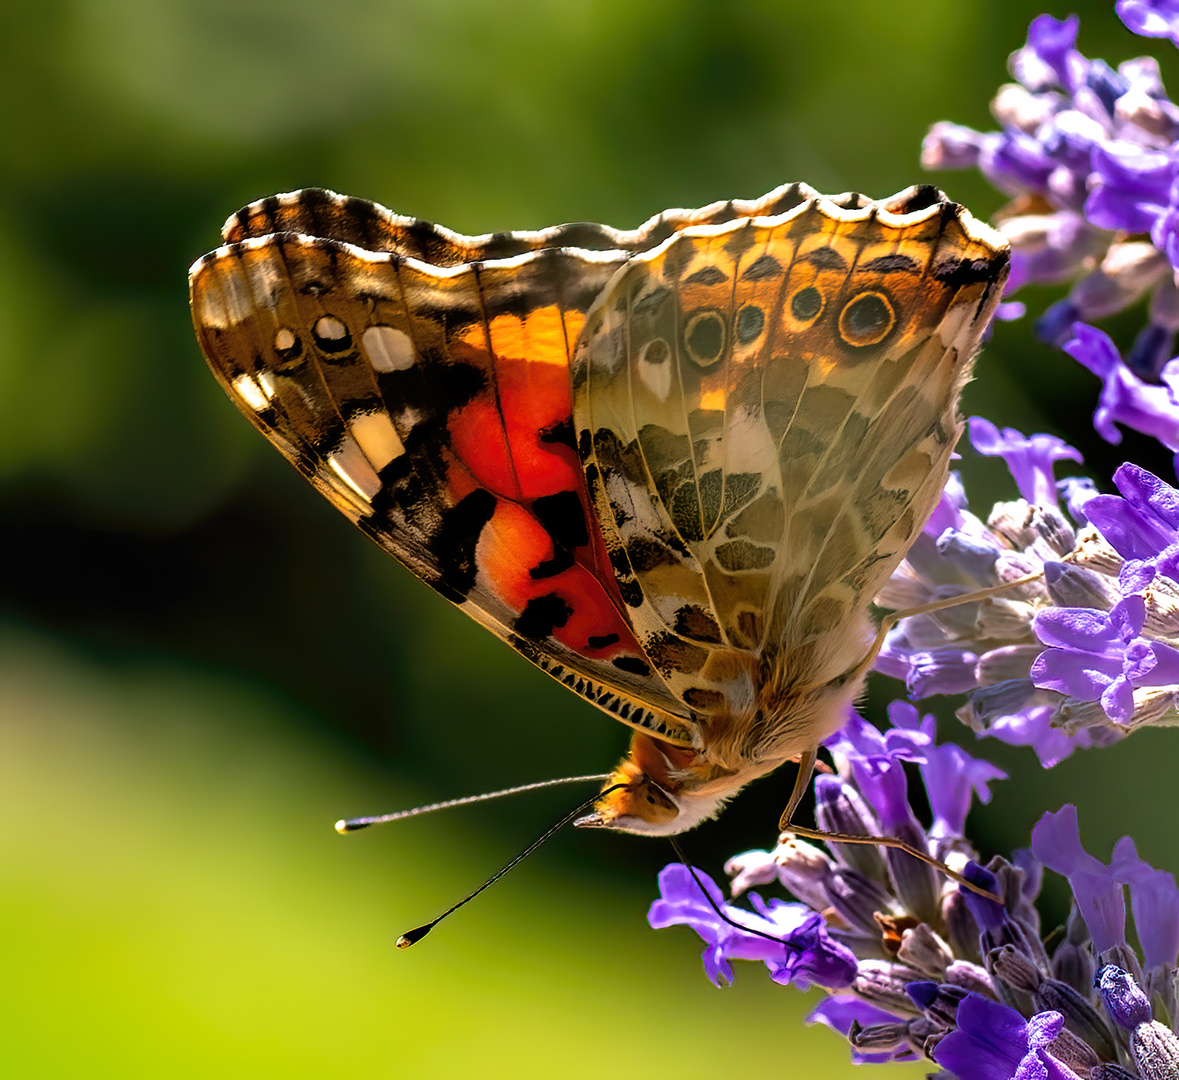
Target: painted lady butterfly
pixel 671 467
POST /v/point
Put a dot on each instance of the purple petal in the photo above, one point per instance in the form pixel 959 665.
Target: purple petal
pixel 1078 628
pixel 1056 842
pixel 1095 349
pixel 1030 459
pixel 988 1044
pixel 1130 186
pixel 1032 727
pixel 1151 18
pixel 1143 489
pixel 1049 58
pixel 1154 899
pixel 953 778
pixel 1117 700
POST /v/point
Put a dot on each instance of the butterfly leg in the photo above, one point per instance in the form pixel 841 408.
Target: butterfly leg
pixel 893 617
pixel 806 766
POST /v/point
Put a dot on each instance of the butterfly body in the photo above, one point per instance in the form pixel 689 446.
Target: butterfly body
pixel 671 467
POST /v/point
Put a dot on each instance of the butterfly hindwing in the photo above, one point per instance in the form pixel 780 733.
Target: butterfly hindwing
pixel 766 413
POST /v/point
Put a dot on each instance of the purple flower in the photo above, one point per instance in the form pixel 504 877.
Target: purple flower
pixel 1030 459
pixel 1094 655
pixel 1056 842
pixel 791 939
pixel 1092 156
pixel 1032 726
pixel 844 1013
pixel 952 777
pixel 1130 187
pixel 1142 526
pixel 1154 900
pixel 1125 398
pixel 1151 18
pixel 1050 57
pixel 993 1042
pixel 875 759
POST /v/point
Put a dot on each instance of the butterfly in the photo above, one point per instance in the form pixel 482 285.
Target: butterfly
pixel 671 467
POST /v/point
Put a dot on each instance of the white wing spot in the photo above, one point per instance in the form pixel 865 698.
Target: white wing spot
pixel 284 339
pixel 655 368
pixel 352 466
pixel 329 328
pixel 224 299
pixel 377 438
pixel 388 349
pixel 250 392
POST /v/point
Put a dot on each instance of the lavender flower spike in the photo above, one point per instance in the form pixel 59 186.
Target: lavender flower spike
pixel 1091 156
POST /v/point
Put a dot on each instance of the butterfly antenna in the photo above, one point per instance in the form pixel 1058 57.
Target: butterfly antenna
pixel 412 937
pixel 349 825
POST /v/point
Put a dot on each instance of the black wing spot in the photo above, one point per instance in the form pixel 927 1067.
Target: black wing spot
pixel 603 641
pixel 709 275
pixel 751 320
pixel 889 264
pixel 866 319
pixel 765 266
pixel 542 615
pixel 806 304
pixel 454 544
pixel 825 258
pixel 704 337
pixel 563 518
pixel 632 664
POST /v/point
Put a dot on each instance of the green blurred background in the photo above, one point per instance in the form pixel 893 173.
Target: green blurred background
pixel 202 665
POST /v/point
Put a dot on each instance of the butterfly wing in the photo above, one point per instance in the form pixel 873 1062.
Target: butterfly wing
pixel 766 412
pixel 431 405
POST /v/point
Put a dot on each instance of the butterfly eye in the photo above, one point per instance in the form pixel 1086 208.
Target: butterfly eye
pixel 331 335
pixel 806 304
pixel 866 319
pixel 704 337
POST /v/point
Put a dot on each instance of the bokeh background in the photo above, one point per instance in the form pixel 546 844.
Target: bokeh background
pixel 202 665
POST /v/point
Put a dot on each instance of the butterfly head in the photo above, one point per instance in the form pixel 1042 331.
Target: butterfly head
pixel 656 791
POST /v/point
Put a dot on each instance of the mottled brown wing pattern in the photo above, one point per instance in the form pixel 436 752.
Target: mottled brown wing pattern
pixel 766 413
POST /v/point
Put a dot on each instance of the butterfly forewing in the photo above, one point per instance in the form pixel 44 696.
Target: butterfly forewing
pixel 432 407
